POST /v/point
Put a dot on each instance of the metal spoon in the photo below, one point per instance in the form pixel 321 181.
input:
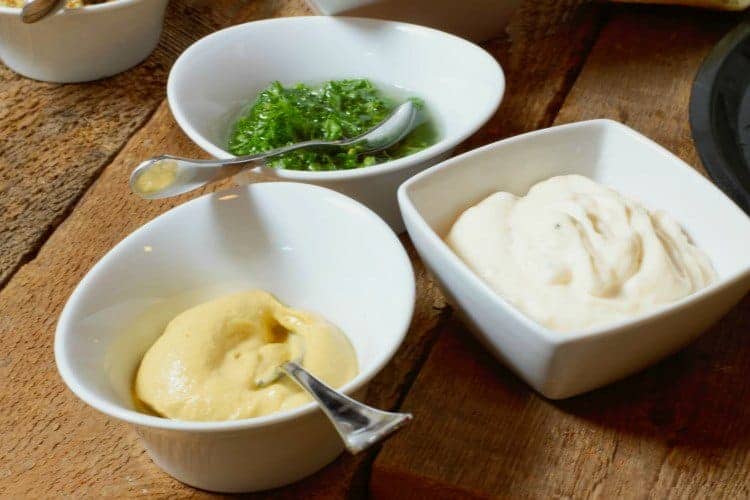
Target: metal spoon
pixel 360 426
pixel 166 175
pixel 36 10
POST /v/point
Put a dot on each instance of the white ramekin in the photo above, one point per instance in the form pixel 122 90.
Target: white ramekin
pixel 564 364
pixel 78 45
pixel 311 247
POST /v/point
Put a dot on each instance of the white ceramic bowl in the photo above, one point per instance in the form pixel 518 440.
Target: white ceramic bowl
pixel 560 365
pixel 313 248
pixel 476 19
pixel 218 76
pixel 78 45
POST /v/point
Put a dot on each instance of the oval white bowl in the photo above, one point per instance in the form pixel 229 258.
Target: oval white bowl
pixel 78 45
pixel 311 247
pixel 564 364
pixel 218 76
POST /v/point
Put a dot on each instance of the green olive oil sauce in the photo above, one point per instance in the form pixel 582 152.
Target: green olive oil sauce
pixel 338 109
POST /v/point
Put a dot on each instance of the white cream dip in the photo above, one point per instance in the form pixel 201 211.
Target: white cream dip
pixel 573 254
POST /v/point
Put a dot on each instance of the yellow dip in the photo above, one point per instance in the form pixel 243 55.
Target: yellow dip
pixel 160 176
pixel 211 362
pixel 572 253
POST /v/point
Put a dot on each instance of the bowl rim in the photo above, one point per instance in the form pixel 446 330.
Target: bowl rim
pixel 65 327
pixel 557 338
pixel 442 146
pixel 99 7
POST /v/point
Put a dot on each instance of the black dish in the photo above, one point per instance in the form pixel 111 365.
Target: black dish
pixel 720 114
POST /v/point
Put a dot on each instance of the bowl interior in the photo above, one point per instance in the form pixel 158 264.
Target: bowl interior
pixel 313 248
pixel 216 78
pixel 605 151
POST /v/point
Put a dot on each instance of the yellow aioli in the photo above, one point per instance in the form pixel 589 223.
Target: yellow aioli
pixel 206 363
pixel 572 253
pixel 160 176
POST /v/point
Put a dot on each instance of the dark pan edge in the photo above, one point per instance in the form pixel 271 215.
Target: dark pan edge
pixel 702 101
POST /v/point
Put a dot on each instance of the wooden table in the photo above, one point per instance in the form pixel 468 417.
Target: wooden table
pixel 679 429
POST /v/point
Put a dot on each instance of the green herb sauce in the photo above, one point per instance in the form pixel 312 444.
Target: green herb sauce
pixel 338 109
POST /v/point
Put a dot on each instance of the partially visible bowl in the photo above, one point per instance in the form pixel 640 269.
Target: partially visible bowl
pixel 221 74
pixel 83 44
pixel 563 364
pixel 311 247
pixel 476 20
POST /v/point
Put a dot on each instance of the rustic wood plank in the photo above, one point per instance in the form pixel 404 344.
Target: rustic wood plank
pixel 679 429
pixel 547 44
pixel 642 72
pixel 55 139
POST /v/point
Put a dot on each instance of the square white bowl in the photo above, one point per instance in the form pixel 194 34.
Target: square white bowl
pixel 557 364
pixel 313 248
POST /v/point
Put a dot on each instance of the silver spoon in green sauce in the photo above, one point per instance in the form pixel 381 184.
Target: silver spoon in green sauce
pixel 167 175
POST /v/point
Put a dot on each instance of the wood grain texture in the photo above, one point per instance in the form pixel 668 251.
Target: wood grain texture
pixel 55 139
pixel 677 430
pixel 541 57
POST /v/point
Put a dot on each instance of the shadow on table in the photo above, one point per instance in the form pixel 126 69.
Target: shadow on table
pixel 697 398
pixel 480 429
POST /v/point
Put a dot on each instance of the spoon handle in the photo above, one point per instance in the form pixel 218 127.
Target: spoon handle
pixel 189 174
pixel 359 425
